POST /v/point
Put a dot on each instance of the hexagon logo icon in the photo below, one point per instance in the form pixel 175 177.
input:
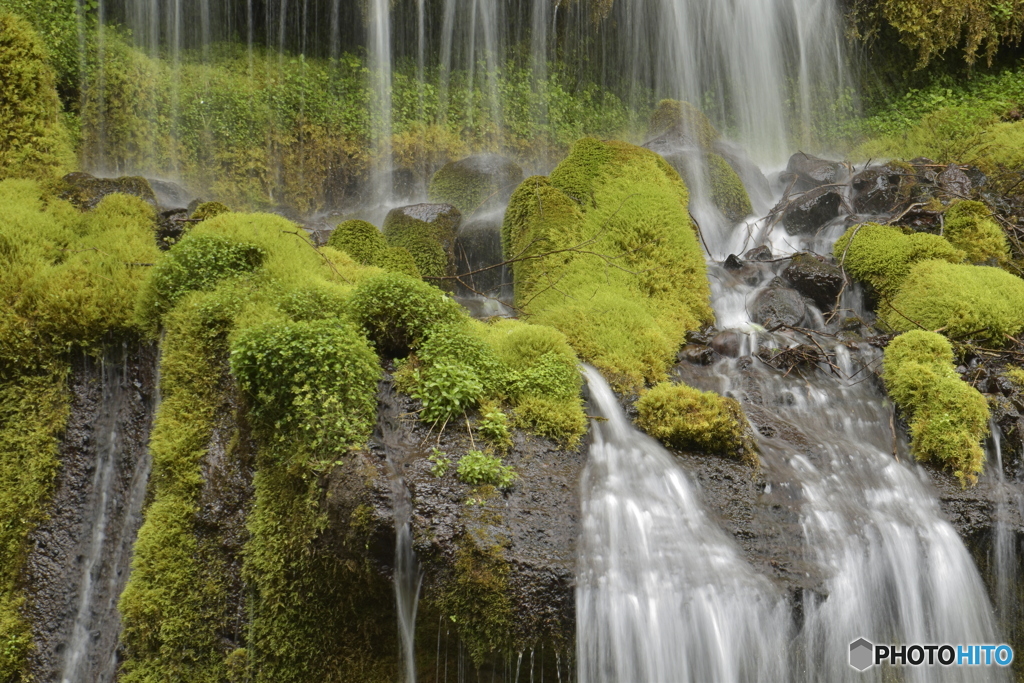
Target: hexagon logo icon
pixel 861 654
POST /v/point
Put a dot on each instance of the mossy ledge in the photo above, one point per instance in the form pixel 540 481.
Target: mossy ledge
pixel 616 263
pixel 948 417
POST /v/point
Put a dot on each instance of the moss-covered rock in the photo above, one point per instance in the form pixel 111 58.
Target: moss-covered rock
pixel 476 183
pixel 360 240
pixel 970 228
pixel 967 302
pixel 948 417
pixel 727 190
pixel 34 143
pixel 428 232
pixel 684 120
pixel 399 260
pixel 86 191
pixel 882 255
pixel 616 264
pixel 687 418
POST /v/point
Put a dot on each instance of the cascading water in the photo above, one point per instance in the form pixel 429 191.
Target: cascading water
pixel 662 594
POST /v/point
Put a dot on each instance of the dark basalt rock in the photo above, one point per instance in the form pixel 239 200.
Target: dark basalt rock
pixel 728 343
pixel 477 246
pixel 809 172
pixel 733 262
pixel 881 189
pixel 169 195
pixel 86 191
pixel 779 305
pixel 698 354
pixel 170 226
pixel 810 211
pixel 761 253
pixel 954 182
pixel 815 278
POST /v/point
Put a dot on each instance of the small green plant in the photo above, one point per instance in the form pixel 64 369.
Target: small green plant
pixel 447 390
pixel 493 426
pixel 441 462
pixel 360 240
pixel 477 468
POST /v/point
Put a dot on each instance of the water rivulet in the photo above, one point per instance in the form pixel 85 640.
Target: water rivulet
pixel 81 555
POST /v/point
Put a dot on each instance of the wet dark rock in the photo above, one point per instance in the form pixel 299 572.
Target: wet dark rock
pixel 881 189
pixel 954 182
pixel 728 343
pixel 778 305
pixel 477 246
pixel 815 278
pixel 405 185
pixel 170 226
pixel 697 354
pixel 86 191
pixel 110 400
pixel 809 172
pixel 169 195
pixel 733 263
pixel 445 216
pixel 478 182
pixel 810 211
pixel 761 253
pixel 754 180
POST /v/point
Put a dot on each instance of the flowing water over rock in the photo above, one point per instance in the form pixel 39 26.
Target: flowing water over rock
pixel 662 593
pixel 81 555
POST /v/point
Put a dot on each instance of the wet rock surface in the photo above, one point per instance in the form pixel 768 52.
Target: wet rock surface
pixel 815 278
pixel 477 246
pixel 810 211
pixel 778 305
pixel 807 172
pixel 112 405
pixel 86 191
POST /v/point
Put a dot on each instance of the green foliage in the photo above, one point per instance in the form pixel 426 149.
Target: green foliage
pixel 727 190
pixel 399 260
pixel 493 426
pixel 948 417
pixel 310 381
pixel 967 302
pixel 466 345
pixel 882 256
pixel 447 390
pixel 430 244
pixel 563 421
pixel 469 189
pixel 315 301
pixel 396 311
pixel 477 468
pixel 360 240
pixel 626 300
pixel 684 417
pixel 441 463
pixel 197 263
pixel 57 24
pixel 970 228
pixel 34 143
pixel 208 210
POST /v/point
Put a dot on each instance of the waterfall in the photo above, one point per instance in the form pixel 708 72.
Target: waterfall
pixel 662 594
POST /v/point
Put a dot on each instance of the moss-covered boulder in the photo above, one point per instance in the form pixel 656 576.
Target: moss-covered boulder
pixel 360 240
pixel 948 417
pixel 476 183
pixel 33 141
pixel 399 260
pixel 208 210
pixel 683 121
pixel 969 227
pixel 727 190
pixel 428 232
pixel 966 302
pixel 613 260
pixel 882 255
pixel 687 418
pixel 86 191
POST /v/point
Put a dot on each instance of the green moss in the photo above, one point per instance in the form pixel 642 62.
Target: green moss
pixel 970 228
pixel 727 190
pixel 466 345
pixel 975 302
pixel 360 240
pixel 67 282
pixel 882 256
pixel 34 142
pixel 684 417
pixel 464 185
pixel 1016 376
pixel 684 118
pixel 399 260
pixel 948 418
pixel 563 421
pixel 478 468
pixel 208 210
pixel 396 311
pixel 315 381
pixel 315 301
pixel 430 244
pixel 628 279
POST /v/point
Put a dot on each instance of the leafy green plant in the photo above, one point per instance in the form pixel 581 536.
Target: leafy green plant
pixel 493 426
pixel 447 390
pixel 477 468
pixel 441 462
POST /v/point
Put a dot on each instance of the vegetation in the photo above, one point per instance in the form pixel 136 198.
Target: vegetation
pixel 970 228
pixel 470 188
pixel 34 142
pixel 948 418
pixel 965 302
pixel 67 283
pixel 687 418
pixel 476 467
pixel 360 240
pixel 615 264
pixel 727 190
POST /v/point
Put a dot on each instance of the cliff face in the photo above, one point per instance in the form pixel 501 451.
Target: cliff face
pixel 80 557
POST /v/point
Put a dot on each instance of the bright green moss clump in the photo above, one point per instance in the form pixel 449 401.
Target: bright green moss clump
pixel 33 142
pixel 360 240
pixel 67 282
pixel 431 244
pixel 975 302
pixel 948 418
pixel 727 190
pixel 684 118
pixel 208 210
pixel 684 417
pixel 628 279
pixel 882 256
pixel 969 227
